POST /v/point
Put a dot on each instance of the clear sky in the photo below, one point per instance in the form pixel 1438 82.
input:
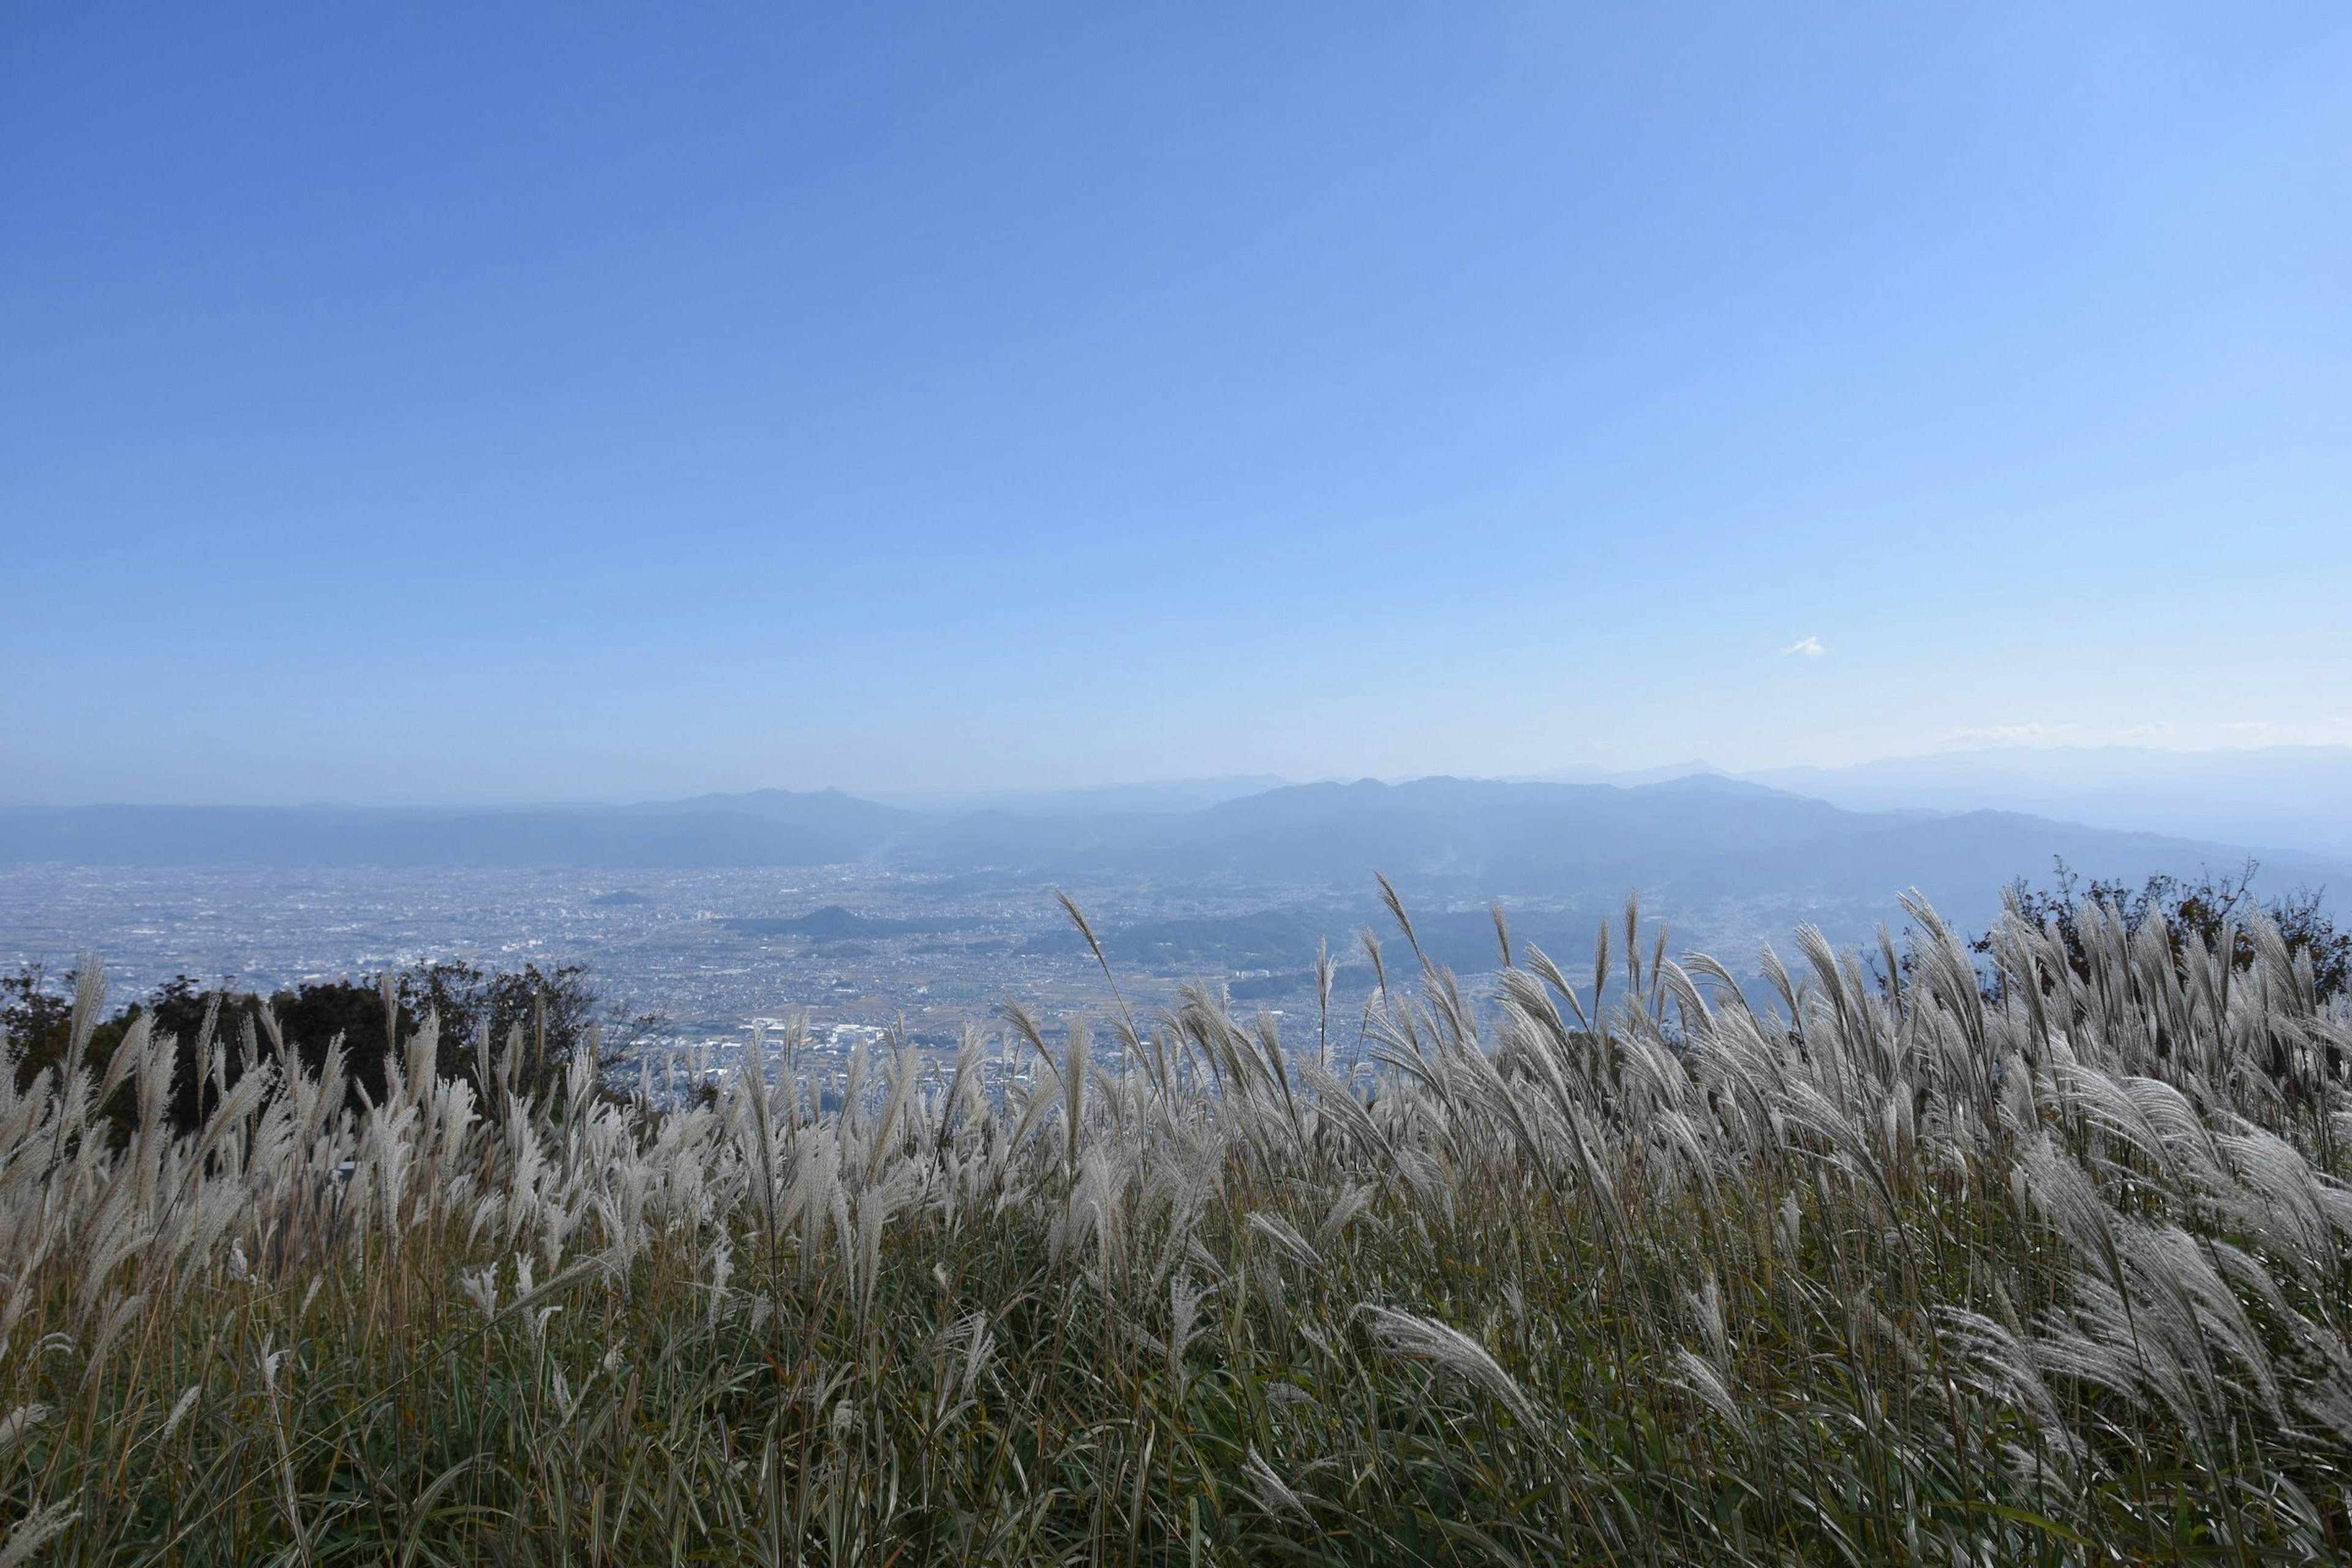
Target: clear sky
pixel 450 402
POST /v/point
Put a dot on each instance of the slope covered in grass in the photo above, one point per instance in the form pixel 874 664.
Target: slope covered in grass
pixel 1902 1269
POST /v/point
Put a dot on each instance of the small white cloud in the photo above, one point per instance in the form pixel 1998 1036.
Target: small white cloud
pixel 1811 648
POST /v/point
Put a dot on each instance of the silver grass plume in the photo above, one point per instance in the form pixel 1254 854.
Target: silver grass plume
pixel 1426 1339
pixel 35 1531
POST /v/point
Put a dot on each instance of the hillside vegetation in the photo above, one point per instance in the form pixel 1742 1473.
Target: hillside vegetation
pixel 2043 1261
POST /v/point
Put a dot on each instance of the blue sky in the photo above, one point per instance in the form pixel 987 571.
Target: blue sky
pixel 495 401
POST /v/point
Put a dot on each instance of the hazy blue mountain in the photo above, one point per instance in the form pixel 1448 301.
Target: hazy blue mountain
pixel 1155 796
pixel 2279 797
pixel 823 811
pixel 1627 777
pixel 1696 842
pixel 772 828
pixel 1691 840
pixel 1008 840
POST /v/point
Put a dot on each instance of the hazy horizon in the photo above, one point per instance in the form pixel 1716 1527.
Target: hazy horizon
pixel 983 794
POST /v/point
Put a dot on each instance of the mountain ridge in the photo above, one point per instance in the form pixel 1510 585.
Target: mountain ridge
pixel 2296 798
pixel 1696 839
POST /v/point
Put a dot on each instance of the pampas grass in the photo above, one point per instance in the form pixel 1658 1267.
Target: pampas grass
pixel 1917 1263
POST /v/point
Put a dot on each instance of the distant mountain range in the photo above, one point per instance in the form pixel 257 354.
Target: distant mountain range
pixel 1694 842
pixel 1095 800
pixel 768 828
pixel 2275 797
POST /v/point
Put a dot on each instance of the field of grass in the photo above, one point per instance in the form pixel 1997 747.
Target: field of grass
pixel 1620 1270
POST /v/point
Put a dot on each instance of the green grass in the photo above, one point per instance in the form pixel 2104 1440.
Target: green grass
pixel 1888 1273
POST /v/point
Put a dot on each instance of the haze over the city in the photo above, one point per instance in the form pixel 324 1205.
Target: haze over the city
pixel 438 404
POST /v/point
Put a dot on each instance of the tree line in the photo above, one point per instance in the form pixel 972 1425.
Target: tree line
pixel 2200 911
pixel 537 1020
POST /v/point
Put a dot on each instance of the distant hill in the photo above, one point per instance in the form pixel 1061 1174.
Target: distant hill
pixel 823 811
pixel 1693 842
pixel 1690 841
pixel 1160 795
pixel 772 828
pixel 2274 797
